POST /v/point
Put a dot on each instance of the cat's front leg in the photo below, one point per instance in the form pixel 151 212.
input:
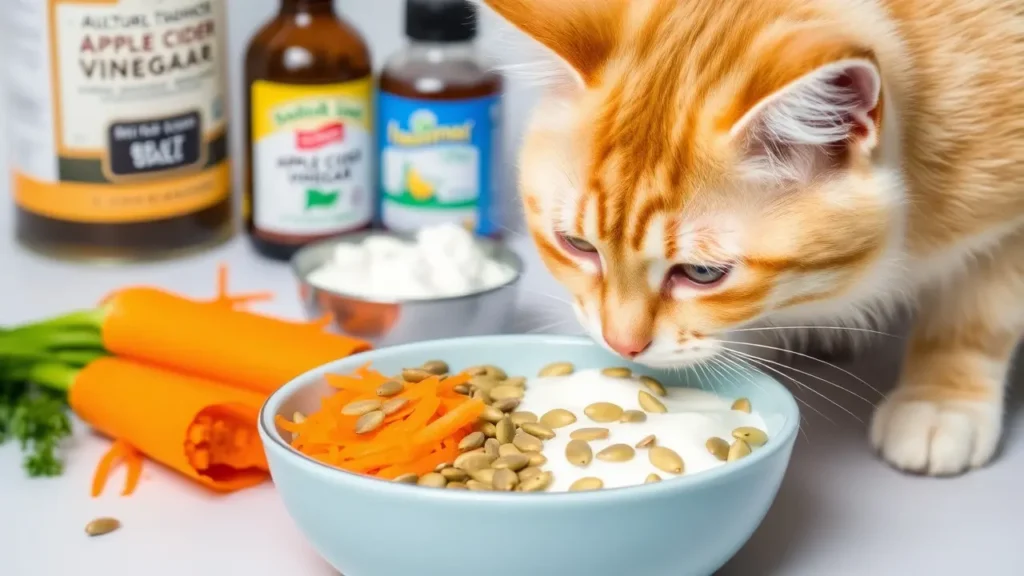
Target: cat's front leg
pixel 946 414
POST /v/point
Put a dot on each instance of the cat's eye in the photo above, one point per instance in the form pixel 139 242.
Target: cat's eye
pixel 578 244
pixel 699 274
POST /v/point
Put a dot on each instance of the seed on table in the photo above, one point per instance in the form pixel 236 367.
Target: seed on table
pixel 523 417
pixel 539 430
pixel 369 422
pixel 579 453
pixel 558 418
pixel 475 485
pixel 617 372
pixel 527 442
pixel 589 434
pixel 462 389
pixel 741 405
pixel 537 459
pixel 655 386
pixel 633 417
pixel 492 448
pixel 505 480
pixel 505 392
pixel 393 405
pixel 506 405
pixel 603 412
pixel 360 407
pixel 617 453
pixel 537 483
pixel 557 369
pixel 390 388
pixel 471 461
pixel 651 404
pixel 718 448
pixel 647 441
pixel 508 449
pixel 750 435
pixel 514 462
pixel 457 486
pixel 454 475
pixel 505 430
pixel 101 526
pixel 739 449
pixel 485 475
pixel 432 480
pixel 492 414
pixel 652 478
pixel 666 460
pixel 585 484
pixel 407 478
pixel 517 381
pixel 487 428
pixel 472 441
pixel 415 375
pixel 436 367
pixel 529 472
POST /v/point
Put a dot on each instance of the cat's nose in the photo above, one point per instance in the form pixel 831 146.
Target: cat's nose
pixel 627 347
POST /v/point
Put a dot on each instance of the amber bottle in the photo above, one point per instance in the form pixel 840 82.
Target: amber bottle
pixel 310 127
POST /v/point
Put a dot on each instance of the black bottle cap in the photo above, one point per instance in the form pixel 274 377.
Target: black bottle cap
pixel 440 20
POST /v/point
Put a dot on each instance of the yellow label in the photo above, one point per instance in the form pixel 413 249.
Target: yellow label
pixel 311 157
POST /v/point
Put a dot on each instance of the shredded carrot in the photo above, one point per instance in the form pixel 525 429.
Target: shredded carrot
pixel 416 438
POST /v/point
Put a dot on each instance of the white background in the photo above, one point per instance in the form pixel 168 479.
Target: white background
pixel 840 511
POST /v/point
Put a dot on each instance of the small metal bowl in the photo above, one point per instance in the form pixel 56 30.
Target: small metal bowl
pixel 388 321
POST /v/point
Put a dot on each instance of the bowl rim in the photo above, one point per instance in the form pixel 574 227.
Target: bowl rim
pixel 273 441
pixel 509 256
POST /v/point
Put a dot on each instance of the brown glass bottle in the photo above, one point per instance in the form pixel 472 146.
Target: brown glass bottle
pixel 441 71
pixel 309 150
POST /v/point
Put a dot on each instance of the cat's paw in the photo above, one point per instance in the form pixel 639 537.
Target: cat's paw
pixel 941 438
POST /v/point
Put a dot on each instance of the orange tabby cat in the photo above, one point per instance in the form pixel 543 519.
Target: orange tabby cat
pixel 703 166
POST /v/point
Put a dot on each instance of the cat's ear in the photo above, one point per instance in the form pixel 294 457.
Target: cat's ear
pixel 581 34
pixel 802 122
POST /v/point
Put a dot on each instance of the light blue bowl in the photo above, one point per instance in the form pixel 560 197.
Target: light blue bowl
pixel 684 526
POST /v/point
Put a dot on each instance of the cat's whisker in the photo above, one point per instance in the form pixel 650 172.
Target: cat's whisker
pixel 546 295
pixel 815 376
pixel 847 328
pixel 760 362
pixel 808 356
pixel 546 327
pixel 742 371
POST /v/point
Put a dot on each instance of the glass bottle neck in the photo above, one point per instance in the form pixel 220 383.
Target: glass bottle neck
pixel 307 7
pixel 442 50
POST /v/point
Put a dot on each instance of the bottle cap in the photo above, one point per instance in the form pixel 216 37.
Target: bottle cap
pixel 440 20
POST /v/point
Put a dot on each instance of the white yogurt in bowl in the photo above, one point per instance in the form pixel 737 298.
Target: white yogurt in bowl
pixel 692 417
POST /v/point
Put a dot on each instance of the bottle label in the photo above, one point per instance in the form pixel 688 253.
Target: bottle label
pixel 311 157
pixel 117 108
pixel 437 161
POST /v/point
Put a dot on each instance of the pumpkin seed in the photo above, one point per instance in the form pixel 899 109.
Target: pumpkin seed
pixel 650 403
pixel 527 442
pixel 579 453
pixel 647 441
pixel 408 478
pixel 617 372
pixel 485 475
pixel 586 484
pixel 495 372
pixel 617 453
pixel 482 396
pixel 476 370
pixel 505 430
pixel 514 462
pixel 522 417
pixel 487 428
pixel 507 405
pixel 441 466
pixel 297 418
pixel 750 435
pixel 603 412
pixel 652 478
pixel 505 392
pixel 655 386
pixel 529 472
pixel 739 449
pixel 454 474
pixel 393 405
pixel 390 388
pixel 360 407
pixel 369 422
pixel 492 448
pixel 101 526
pixel 666 460
pixel 471 461
pixel 432 480
pixel 558 418
pixel 462 389
pixel 472 441
pixel 741 405
pixel 505 480
pixel 475 485
pixel 557 369
pixel 539 430
pixel 484 383
pixel 589 434
pixel 457 486
pixel 492 414
pixel 507 450
pixel 633 417
pixel 537 483
pixel 718 448
pixel 517 381
pixel 537 459
pixel 415 375
pixel 437 367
